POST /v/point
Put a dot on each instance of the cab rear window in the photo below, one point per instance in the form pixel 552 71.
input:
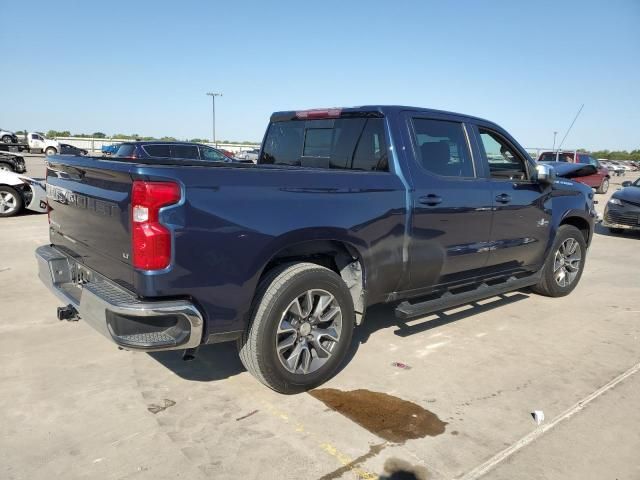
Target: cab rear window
pixel 125 150
pixel 158 150
pixel 342 143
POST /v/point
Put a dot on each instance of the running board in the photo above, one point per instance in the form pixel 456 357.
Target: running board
pixel 449 300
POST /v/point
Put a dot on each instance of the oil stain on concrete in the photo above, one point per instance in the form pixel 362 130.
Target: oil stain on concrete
pixel 389 417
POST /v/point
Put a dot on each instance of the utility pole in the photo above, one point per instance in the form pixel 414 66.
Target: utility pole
pixel 213 104
pixel 554 144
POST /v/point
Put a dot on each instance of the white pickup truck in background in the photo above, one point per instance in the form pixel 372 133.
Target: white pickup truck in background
pixel 35 142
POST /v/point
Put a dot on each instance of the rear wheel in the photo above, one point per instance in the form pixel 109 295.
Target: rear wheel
pixel 10 201
pixel 7 139
pixel 564 265
pixel 604 186
pixel 301 327
pixel 50 151
pixel 6 167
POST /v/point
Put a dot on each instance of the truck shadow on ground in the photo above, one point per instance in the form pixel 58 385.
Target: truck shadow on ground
pixel 221 361
pixel 212 363
pixel 383 316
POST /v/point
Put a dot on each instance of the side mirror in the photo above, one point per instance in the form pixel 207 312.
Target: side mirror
pixel 545 174
pixel 627 183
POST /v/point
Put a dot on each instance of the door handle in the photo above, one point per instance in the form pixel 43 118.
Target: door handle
pixel 503 198
pixel 430 199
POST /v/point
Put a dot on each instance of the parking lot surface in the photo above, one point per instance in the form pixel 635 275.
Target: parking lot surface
pixel 74 406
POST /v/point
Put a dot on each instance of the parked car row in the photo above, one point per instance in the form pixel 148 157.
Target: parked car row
pixel 174 150
pixel 621 168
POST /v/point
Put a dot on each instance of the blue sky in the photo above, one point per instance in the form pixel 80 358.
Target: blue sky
pixel 144 67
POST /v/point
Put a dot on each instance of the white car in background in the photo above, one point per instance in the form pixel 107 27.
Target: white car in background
pixel 248 155
pixel 18 192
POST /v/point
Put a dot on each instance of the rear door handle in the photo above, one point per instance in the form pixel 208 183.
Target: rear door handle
pixel 503 198
pixel 430 199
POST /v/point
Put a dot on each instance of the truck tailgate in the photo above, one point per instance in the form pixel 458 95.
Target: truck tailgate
pixel 89 213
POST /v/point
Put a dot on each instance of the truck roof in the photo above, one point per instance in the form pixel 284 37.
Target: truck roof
pixel 384 110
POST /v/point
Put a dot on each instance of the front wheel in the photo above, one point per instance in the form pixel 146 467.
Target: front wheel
pixel 301 326
pixel 50 151
pixel 564 265
pixel 604 186
pixel 7 139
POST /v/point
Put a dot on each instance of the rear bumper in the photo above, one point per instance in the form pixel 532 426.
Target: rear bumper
pixel 116 313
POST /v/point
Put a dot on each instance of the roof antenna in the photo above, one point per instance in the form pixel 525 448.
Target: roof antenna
pixel 568 130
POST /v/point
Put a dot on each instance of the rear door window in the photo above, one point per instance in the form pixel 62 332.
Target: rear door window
pixel 442 148
pixel 345 143
pixel 158 150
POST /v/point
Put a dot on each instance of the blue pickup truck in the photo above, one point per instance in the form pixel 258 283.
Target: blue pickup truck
pixel 346 208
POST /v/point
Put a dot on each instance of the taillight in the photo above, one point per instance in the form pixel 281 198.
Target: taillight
pixel 150 240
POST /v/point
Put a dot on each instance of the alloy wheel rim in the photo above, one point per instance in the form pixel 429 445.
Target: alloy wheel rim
pixel 8 202
pixel 308 331
pixel 566 263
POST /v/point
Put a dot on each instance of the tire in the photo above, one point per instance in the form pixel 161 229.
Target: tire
pixel 273 321
pixel 551 284
pixel 604 186
pixel 6 167
pixel 50 151
pixel 7 139
pixel 616 230
pixel 10 201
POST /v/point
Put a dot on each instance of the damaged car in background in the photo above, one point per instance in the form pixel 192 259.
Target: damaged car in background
pixel 12 162
pixel 623 209
pixel 18 192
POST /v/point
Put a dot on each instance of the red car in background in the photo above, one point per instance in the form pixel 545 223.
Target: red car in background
pixel 599 180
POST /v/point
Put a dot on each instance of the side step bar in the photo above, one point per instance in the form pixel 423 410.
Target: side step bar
pixel 449 300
